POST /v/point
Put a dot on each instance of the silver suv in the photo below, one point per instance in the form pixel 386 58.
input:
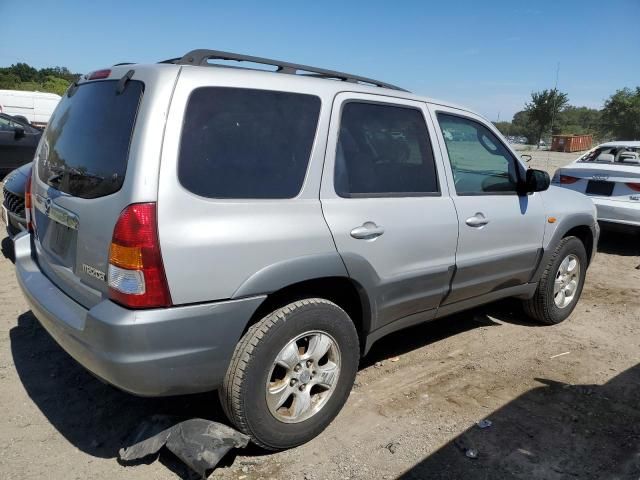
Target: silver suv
pixel 196 227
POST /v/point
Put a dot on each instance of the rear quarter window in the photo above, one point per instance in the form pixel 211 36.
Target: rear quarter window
pixel 245 143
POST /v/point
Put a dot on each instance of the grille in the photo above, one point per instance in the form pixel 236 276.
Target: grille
pixel 14 203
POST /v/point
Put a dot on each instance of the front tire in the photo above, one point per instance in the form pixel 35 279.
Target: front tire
pixel 291 373
pixel 560 286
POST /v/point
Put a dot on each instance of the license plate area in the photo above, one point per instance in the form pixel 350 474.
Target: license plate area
pixel 60 239
pixel 56 229
pixel 4 214
pixel 599 187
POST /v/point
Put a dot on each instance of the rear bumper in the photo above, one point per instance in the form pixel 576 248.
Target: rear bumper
pixel 616 211
pixel 145 352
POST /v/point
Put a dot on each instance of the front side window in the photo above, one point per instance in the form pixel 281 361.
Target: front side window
pixel 383 150
pixel 243 143
pixel 480 163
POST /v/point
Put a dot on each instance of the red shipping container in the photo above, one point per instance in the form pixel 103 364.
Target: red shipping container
pixel 571 143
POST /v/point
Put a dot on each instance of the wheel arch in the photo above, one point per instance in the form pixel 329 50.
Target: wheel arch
pixel 322 275
pixel 341 290
pixel 586 236
pixel 582 226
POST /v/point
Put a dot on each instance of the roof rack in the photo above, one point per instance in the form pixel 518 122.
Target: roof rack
pixel 202 57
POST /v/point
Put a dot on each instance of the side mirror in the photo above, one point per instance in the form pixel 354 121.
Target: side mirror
pixel 526 158
pixel 18 133
pixel 536 181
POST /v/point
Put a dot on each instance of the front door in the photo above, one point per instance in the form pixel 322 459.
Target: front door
pixel 501 232
pixel 17 144
pixel 386 201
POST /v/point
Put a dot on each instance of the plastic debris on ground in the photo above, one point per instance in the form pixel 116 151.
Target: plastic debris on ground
pixel 199 443
pixel 486 423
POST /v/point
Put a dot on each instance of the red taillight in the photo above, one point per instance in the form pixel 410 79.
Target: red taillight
pixel 28 202
pixel 136 273
pixel 99 74
pixel 634 186
pixel 567 179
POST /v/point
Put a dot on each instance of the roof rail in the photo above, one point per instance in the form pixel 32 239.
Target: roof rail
pixel 202 57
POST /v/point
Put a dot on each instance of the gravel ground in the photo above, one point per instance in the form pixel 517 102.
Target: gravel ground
pixel 563 400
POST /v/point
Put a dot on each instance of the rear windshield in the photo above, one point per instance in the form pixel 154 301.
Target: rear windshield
pixel 616 154
pixel 86 145
pixel 243 143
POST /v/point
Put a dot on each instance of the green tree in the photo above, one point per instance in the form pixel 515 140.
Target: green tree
pixel 9 81
pixel 621 114
pixel 523 127
pixel 504 127
pixel 543 108
pixel 25 72
pixel 21 76
pixel 578 121
pixel 55 85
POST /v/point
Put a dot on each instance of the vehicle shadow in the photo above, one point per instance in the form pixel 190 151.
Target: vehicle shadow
pixel 96 418
pixel 404 341
pixel 99 419
pixel 6 247
pixel 555 431
pixel 617 241
pixel 421 335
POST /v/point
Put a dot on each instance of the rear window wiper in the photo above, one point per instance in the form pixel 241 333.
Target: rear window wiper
pixel 122 83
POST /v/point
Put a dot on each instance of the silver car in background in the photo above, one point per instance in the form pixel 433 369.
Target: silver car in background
pixel 610 175
pixel 194 227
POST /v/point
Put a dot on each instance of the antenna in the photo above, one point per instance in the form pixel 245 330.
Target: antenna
pixel 553 113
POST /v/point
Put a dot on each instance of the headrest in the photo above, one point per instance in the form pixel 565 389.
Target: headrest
pixel 605 157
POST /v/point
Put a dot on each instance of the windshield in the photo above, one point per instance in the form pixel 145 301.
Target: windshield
pixel 614 154
pixel 86 145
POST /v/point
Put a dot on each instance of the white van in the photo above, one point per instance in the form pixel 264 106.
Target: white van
pixel 36 107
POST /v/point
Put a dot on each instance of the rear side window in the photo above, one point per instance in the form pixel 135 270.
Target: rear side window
pixel 242 143
pixel 85 148
pixel 383 150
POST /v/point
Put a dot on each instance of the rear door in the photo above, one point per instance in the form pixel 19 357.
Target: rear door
pixel 386 201
pixel 99 153
pixel 501 232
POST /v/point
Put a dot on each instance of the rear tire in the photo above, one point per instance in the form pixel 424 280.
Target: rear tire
pixel 285 353
pixel 560 286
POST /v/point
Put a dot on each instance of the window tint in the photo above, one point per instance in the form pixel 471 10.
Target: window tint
pixel 240 143
pixel 383 151
pixel 86 145
pixel 481 164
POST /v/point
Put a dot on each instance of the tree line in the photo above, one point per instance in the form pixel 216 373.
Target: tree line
pixel 549 113
pixel 21 76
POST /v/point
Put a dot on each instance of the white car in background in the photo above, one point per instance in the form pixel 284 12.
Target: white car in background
pixel 33 107
pixel 610 175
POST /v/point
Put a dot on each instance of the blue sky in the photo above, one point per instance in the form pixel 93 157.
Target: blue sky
pixel 488 55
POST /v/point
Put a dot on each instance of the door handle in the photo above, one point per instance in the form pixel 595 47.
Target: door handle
pixel 368 231
pixel 478 220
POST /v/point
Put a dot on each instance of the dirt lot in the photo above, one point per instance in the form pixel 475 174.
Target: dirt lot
pixel 563 400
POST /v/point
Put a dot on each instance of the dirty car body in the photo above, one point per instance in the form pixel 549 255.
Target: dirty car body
pixel 253 189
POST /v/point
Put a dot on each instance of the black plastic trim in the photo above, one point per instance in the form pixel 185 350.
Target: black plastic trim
pixel 200 57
